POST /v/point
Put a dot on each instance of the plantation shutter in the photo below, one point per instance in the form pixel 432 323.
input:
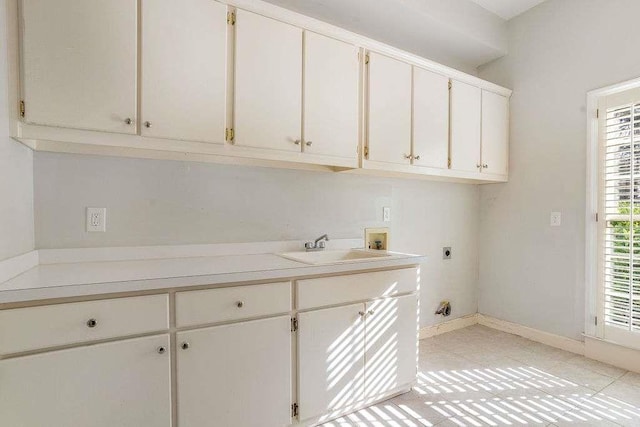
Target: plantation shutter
pixel 620 227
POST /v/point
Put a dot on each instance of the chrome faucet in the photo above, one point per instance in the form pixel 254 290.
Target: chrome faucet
pixel 317 245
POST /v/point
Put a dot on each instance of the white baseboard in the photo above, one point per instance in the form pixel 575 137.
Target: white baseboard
pixel 448 326
pixel 12 267
pixel 553 340
pixel 613 354
pixel 557 341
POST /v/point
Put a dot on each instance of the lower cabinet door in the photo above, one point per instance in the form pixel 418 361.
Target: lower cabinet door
pixel 391 344
pixel 124 383
pixel 330 359
pixel 235 375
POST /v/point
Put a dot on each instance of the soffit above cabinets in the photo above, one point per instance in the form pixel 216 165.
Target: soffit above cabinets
pixel 507 9
pixel 460 34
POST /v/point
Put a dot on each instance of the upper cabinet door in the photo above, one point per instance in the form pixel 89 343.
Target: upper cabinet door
pixel 79 63
pixel 330 96
pixel 495 133
pixel 389 120
pixel 430 119
pixel 465 127
pixel 268 83
pixel 184 69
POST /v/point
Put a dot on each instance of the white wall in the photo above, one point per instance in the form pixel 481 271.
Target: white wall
pixel 530 273
pixel 151 202
pixel 16 172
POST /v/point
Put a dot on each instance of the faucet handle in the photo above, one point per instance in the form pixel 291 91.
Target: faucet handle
pixel 322 244
pixel 309 245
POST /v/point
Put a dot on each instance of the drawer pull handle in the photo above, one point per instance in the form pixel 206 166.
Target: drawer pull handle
pixel 370 312
pixel 161 350
pixel 185 345
pixel 362 314
pixel 92 323
pixel 240 304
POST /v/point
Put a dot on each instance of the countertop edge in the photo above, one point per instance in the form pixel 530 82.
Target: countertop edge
pixel 210 280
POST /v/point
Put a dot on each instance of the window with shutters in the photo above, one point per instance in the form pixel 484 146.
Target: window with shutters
pixel 619 212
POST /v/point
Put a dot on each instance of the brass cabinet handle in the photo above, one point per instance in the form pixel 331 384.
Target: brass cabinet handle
pixel 416 158
pixel 297 142
pixel 161 350
pixel 185 345
pixel 128 121
pixel 240 304
pixel 308 143
pixel 370 312
pixel 147 124
pixel 408 156
pixel 92 323
pixel 485 166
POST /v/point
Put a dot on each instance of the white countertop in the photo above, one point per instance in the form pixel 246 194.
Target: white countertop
pixel 73 279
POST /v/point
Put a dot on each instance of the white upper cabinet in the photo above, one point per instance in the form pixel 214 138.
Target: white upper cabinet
pixel 465 127
pixel 430 119
pixel 495 133
pixel 389 119
pixel 268 83
pixel 331 85
pixel 79 63
pixel 184 69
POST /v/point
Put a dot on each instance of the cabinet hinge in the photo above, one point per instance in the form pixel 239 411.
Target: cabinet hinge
pixel 449 163
pixel 450 85
pixel 366 58
pixel 294 410
pixel 294 324
pixel 598 113
pixel 231 18
pixel 597 218
pixel 229 134
pixel 596 320
pixel 366 152
pixel 22 109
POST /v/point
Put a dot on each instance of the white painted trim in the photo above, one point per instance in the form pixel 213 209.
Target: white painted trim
pixel 448 326
pixel 591 226
pixel 612 353
pixel 553 340
pixel 17 265
pixel 134 253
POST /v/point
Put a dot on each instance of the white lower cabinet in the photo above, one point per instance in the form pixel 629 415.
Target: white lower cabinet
pixel 330 359
pixel 391 345
pixel 355 354
pixel 125 384
pixel 235 375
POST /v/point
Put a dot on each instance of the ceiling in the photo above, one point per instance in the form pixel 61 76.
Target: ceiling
pixel 507 9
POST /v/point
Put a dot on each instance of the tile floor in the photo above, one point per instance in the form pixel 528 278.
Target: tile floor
pixel 478 376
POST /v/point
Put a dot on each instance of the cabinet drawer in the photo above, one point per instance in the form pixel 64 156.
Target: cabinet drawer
pixel 24 329
pixel 239 302
pixel 325 291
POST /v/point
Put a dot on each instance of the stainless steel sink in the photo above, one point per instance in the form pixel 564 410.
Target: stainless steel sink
pixel 334 257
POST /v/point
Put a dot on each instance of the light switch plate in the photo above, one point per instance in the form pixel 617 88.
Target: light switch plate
pixel 555 220
pixel 386 214
pixel 97 220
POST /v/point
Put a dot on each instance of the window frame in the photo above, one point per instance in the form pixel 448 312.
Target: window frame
pixel 594 215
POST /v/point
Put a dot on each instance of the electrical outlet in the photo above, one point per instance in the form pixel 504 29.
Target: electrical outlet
pixel 97 220
pixel 555 219
pixel 386 214
pixel 446 253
